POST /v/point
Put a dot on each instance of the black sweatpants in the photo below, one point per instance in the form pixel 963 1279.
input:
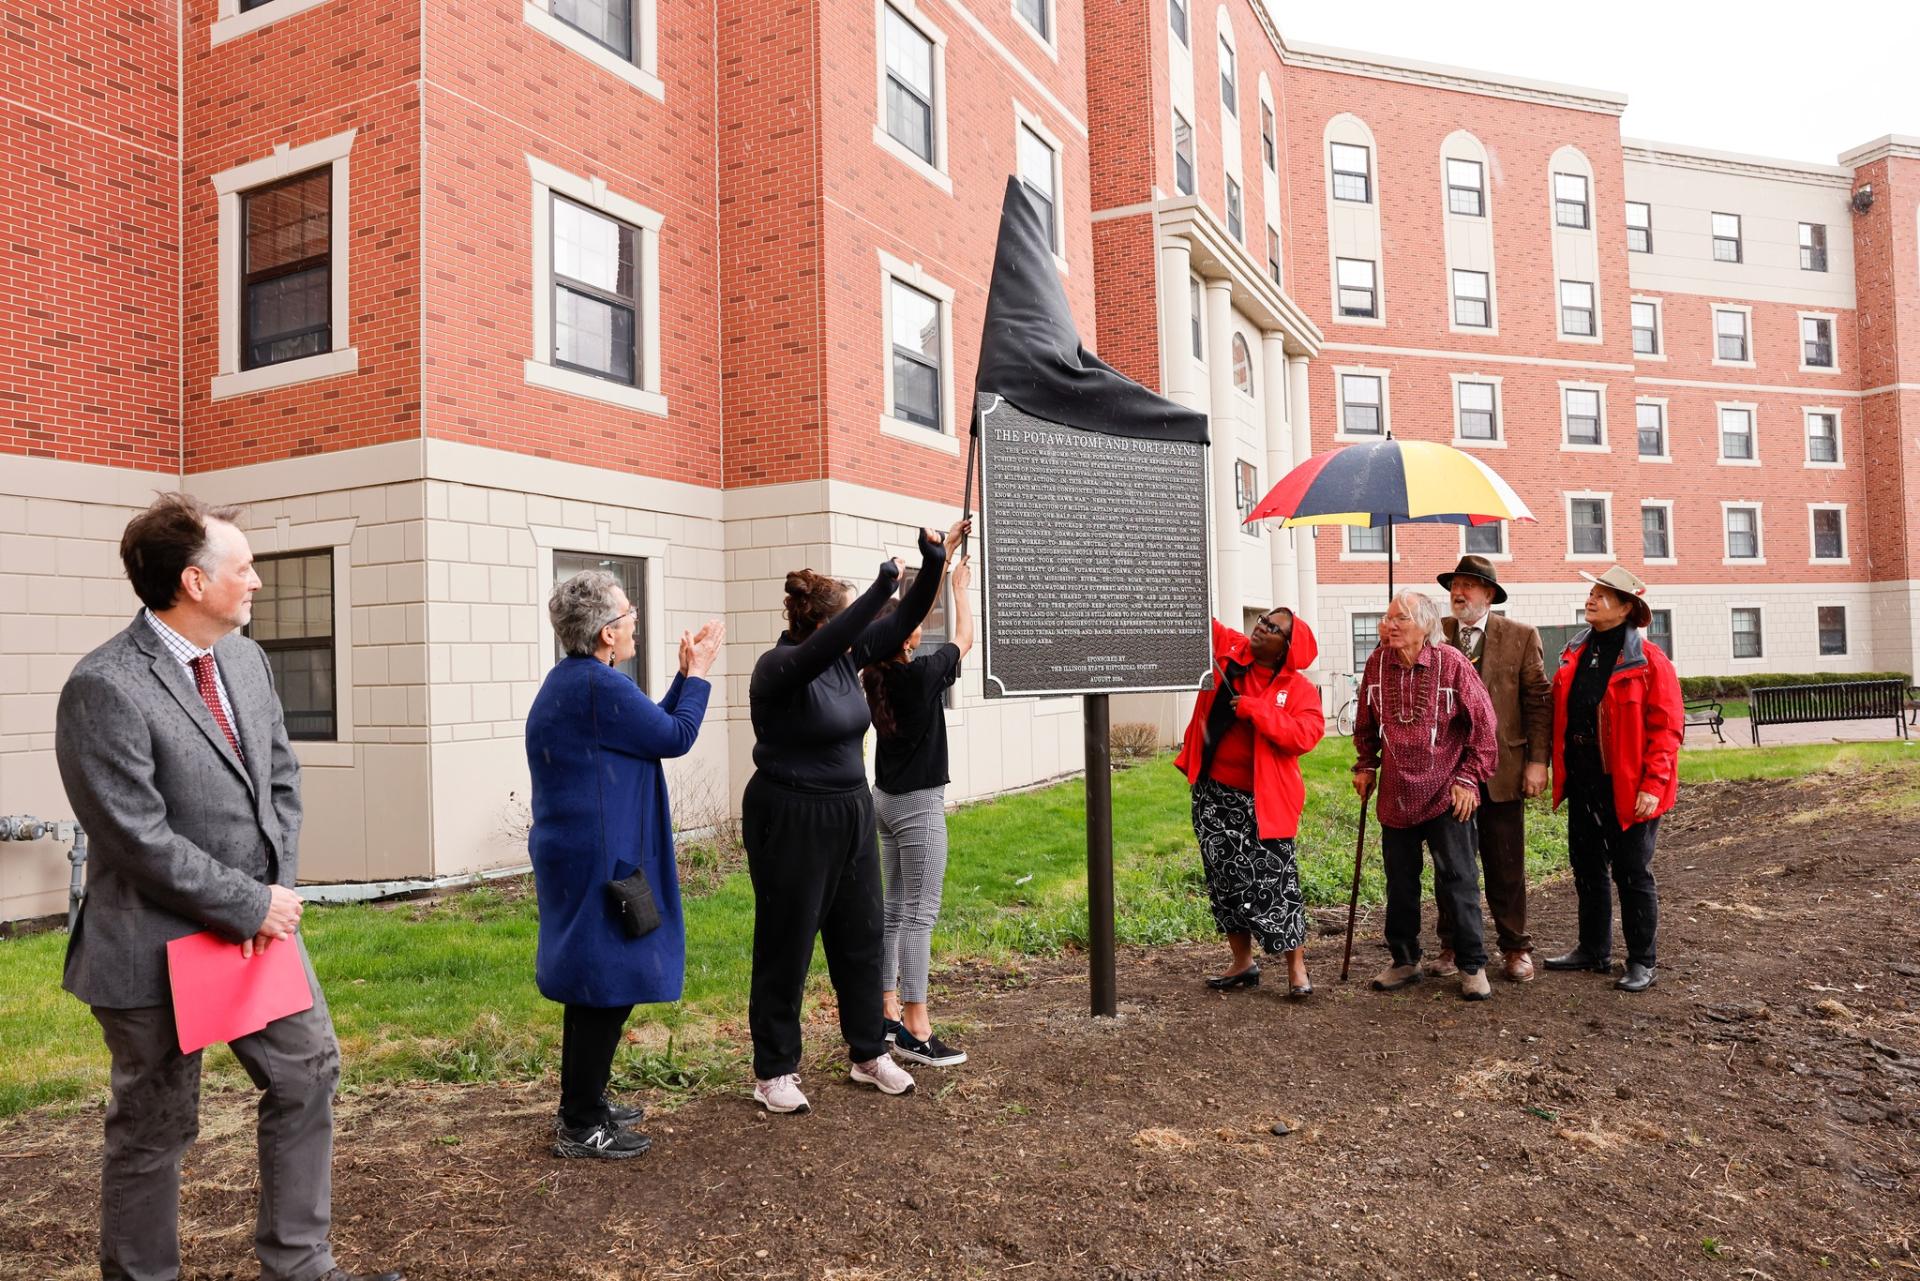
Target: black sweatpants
pixel 1605 856
pixel 589 1036
pixel 814 860
pixel 1456 882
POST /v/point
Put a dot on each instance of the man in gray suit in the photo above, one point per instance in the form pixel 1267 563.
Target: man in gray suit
pixel 175 758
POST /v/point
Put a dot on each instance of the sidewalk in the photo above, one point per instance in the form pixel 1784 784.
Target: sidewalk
pixel 1739 733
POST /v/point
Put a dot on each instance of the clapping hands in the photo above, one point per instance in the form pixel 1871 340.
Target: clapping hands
pixel 698 650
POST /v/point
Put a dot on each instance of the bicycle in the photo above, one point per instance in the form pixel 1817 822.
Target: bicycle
pixel 1349 712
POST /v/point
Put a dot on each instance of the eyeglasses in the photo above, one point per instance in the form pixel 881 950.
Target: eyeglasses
pixel 633 610
pixel 1265 623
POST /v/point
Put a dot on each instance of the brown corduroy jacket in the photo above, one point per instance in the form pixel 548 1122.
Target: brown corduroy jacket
pixel 1513 668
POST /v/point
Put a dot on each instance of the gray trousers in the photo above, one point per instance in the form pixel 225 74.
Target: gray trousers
pixel 155 1116
pixel 913 864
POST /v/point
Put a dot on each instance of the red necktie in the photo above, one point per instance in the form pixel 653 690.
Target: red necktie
pixel 210 695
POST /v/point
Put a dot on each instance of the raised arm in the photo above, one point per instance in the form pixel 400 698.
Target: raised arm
pixel 628 722
pixel 790 667
pixel 963 606
pixel 884 638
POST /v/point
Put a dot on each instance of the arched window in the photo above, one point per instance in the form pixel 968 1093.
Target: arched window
pixel 1242 365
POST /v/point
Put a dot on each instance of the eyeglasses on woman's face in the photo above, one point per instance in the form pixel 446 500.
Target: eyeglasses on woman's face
pixel 631 611
pixel 1266 623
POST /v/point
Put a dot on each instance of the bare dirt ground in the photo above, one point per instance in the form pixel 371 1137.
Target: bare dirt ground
pixel 1753 1116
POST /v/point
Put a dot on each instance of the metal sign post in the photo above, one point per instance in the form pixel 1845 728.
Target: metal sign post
pixel 1100 962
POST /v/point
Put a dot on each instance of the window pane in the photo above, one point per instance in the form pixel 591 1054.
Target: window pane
pixel 289 222
pixel 1726 225
pixel 910 120
pixel 1813 246
pixel 593 249
pixel 1650 422
pixel 1827 541
pixel 1035 12
pixel 1660 630
pixel 1350 173
pixel 1639 214
pixel 1242 366
pixel 631 574
pixel 1465 189
pixel 1583 417
pixel 916 391
pixel 1570 186
pixel 1367 540
pixel 605 20
pixel 909 55
pixel 1365 636
pixel 289 317
pixel 1833 629
pixel 1229 92
pixel 1736 433
pixel 1746 633
pixel 293 621
pixel 916 356
pixel 1823 439
pixel 916 321
pixel 1182 154
pixel 1234 224
pixel 1589 526
pixel 1653 530
pixel 1486 540
pixel 1193 292
pixel 1266 136
pixel 592 334
pixel 1177 18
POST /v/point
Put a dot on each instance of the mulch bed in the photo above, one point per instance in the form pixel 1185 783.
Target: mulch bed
pixel 1752 1116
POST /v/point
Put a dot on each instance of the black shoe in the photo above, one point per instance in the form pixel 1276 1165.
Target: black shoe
pixel 1249 977
pixel 341 1274
pixel 893 1027
pixel 933 1051
pixel 1638 978
pixel 1299 991
pixel 619 1113
pixel 1580 960
pixel 606 1142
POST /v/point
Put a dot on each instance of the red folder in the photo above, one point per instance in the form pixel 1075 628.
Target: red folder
pixel 221 995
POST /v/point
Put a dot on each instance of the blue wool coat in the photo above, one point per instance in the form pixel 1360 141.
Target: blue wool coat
pixel 594 747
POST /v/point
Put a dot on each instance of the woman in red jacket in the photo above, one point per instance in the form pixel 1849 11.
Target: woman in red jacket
pixel 1617 726
pixel 1242 758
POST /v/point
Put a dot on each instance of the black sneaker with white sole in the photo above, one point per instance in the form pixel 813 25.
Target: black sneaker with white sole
pixel 606 1142
pixel 619 1113
pixel 933 1051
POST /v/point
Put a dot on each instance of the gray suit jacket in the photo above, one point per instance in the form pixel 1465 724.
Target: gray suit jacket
pixel 181 836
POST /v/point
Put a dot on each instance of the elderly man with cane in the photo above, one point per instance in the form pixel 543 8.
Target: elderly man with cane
pixel 1507 655
pixel 1425 731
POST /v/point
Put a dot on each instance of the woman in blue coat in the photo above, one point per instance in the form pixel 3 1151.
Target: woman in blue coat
pixel 594 747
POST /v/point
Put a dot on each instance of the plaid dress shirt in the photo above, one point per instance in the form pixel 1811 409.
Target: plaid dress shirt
pixel 1433 726
pixel 186 651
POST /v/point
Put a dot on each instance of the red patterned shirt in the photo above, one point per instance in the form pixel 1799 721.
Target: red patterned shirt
pixel 1435 724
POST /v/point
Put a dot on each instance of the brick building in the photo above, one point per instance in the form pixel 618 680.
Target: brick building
pixel 458 299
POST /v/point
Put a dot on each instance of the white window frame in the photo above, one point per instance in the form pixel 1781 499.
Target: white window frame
pixel 646 397
pixel 1659 351
pixel 1049 40
pixel 1568 498
pixel 1506 535
pixel 1648 228
pixel 1454 323
pixel 1340 431
pixel 1249 531
pixel 230 23
pixel 1739 238
pixel 231 185
pixel 936 171
pixel 1713 332
pixel 1752 409
pixel 1585 202
pixel 1030 121
pixel 1806 438
pixel 1673 538
pixel 1727 505
pixel 1567 443
pixel 643 72
pixel 1378 558
pixel 1560 310
pixel 1357 664
pixel 1846 613
pixel 913 275
pixel 1499 440
pixel 1759 630
pixel 1666 430
pixel 1846 536
pixel 1833 341
pixel 1379 316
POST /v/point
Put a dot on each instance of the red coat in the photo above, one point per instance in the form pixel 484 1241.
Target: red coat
pixel 1641 725
pixel 1287 722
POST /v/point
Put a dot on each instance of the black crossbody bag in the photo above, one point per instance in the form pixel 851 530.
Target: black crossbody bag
pixel 631 897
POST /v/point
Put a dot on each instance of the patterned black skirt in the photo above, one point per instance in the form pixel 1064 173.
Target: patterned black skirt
pixel 1254 885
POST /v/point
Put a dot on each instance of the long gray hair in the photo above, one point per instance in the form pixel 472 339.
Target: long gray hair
pixel 580 607
pixel 1421 609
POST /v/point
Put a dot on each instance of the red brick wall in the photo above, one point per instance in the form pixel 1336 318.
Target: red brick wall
pixel 500 90
pixel 347 64
pixel 873 201
pixel 89 329
pixel 1887 284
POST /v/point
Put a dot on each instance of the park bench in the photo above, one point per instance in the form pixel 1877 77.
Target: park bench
pixel 1705 711
pixel 1840 701
pixel 1913 705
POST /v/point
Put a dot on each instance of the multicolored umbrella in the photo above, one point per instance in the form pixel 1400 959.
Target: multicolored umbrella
pixel 1392 482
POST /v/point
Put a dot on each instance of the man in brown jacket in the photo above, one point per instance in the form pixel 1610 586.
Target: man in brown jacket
pixel 1508 657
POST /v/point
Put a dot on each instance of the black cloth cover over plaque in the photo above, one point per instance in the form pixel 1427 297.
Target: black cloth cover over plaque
pixel 1094 499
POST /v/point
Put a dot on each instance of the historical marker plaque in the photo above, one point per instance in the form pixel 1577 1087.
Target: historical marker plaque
pixel 1096 559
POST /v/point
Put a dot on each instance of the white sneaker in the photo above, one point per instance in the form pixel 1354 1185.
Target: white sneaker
pixel 883 1074
pixel 781 1094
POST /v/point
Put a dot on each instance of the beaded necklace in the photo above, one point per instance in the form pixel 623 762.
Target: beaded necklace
pixel 1407 712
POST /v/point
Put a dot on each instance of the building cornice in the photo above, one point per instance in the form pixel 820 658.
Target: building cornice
pixel 1893 144
pixel 1490 84
pixel 1264 302
pixel 1679 156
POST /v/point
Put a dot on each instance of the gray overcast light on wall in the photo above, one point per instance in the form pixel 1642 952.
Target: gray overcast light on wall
pixel 1799 81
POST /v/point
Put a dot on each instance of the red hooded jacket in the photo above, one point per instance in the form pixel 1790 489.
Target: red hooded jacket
pixel 1287 723
pixel 1641 724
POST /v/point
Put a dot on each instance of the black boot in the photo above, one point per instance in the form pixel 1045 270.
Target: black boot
pixel 1580 959
pixel 1638 978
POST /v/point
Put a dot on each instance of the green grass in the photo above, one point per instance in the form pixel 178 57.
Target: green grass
pixel 443 990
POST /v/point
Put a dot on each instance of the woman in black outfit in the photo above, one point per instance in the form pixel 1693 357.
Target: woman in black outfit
pixel 807 820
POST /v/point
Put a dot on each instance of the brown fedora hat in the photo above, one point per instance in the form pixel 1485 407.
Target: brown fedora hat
pixel 1476 567
pixel 1629 587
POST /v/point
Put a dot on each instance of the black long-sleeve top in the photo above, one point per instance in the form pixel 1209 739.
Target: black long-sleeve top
pixel 809 712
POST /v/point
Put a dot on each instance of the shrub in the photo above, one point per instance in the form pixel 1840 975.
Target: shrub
pixel 1130 739
pixel 1738 686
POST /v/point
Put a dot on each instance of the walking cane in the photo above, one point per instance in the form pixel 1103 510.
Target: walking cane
pixel 1353 901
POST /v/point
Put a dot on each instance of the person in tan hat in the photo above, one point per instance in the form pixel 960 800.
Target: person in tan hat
pixel 1618 722
pixel 1508 657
